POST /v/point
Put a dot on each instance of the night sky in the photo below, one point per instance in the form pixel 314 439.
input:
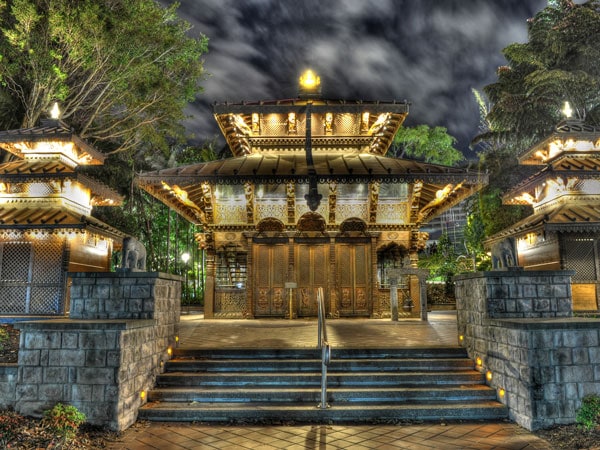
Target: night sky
pixel 429 52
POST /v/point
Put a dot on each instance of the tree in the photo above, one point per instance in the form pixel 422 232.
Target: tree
pixel 123 70
pixel 559 63
pixel 432 145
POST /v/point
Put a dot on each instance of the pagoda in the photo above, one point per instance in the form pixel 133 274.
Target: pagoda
pixel 563 233
pixel 308 200
pixel 46 226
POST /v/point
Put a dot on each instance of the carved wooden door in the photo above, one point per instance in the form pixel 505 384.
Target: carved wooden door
pixel 312 264
pixel 270 262
pixel 353 275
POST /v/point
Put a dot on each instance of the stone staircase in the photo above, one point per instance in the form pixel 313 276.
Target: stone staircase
pixel 364 385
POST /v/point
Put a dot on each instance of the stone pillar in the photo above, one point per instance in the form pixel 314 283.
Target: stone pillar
pixel 417 285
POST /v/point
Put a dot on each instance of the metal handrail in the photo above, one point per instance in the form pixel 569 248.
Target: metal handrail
pixel 323 344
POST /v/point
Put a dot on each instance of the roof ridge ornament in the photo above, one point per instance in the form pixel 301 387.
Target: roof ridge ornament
pixel 309 85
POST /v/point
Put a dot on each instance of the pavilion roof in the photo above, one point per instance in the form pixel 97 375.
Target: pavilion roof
pixel 575 130
pixel 340 167
pixel 234 120
pixel 26 171
pixel 566 218
pixel 189 199
pixel 50 130
pixel 15 218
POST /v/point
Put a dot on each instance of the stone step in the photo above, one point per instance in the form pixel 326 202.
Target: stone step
pixel 346 413
pixel 312 365
pixel 334 379
pixel 463 393
pixel 363 385
pixel 314 353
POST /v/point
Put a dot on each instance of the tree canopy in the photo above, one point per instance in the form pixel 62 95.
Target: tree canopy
pixel 558 63
pixel 429 144
pixel 122 70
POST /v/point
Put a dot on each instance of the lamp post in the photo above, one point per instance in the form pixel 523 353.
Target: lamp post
pixel 185 257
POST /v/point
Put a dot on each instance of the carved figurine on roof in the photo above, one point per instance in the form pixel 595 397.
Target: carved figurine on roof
pixel 564 230
pixel 308 199
pixel 46 226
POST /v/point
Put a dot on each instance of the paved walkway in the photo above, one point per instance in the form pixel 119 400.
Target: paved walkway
pixel 439 330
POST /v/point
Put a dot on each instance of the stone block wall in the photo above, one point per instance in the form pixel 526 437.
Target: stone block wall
pixel 8 380
pixel 521 328
pixel 108 352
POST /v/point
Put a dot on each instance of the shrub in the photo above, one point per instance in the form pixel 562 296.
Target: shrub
pixel 64 420
pixel 588 416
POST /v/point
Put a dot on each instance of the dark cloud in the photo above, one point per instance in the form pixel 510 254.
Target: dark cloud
pixel 430 52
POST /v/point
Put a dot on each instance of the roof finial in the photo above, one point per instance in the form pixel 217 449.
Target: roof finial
pixel 567 110
pixel 310 84
pixel 55 111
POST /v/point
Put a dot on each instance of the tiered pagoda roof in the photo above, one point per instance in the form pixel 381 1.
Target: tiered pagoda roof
pixel 565 193
pixel 43 190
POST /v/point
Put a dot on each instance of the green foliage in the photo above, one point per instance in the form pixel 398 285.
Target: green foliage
pixel 123 70
pixel 442 261
pixel 64 420
pixel 588 415
pixel 4 337
pixel 432 145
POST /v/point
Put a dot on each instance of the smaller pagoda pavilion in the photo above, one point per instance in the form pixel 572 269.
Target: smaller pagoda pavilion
pixel 564 230
pixel 46 227
pixel 309 200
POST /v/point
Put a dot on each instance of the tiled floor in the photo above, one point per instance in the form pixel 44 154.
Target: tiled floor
pixel 480 436
pixel 439 330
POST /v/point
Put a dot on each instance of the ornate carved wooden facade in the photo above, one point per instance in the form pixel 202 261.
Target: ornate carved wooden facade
pixel 564 230
pixel 46 227
pixel 309 200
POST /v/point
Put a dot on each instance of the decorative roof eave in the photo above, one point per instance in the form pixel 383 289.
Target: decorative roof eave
pixel 49 130
pixel 530 184
pixel 569 129
pixel 192 214
pixel 103 194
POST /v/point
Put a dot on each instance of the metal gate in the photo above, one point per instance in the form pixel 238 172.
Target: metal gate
pixel 32 278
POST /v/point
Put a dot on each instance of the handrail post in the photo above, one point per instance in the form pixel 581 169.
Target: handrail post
pixel 323 344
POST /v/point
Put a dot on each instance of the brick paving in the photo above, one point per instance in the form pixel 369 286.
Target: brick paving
pixel 440 330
